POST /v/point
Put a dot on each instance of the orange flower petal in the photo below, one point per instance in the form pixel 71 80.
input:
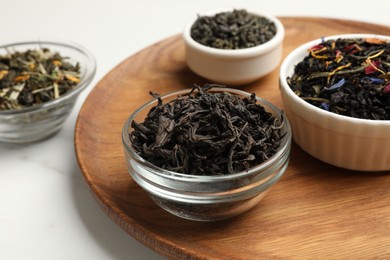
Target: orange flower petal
pixel 375 41
pixel 21 78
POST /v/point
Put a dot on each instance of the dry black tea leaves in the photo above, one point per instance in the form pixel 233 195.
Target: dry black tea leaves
pixel 207 133
pixel 233 30
pixel 33 77
pixel 349 77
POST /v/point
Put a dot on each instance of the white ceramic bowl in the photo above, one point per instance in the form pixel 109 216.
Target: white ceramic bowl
pixel 351 143
pixel 234 67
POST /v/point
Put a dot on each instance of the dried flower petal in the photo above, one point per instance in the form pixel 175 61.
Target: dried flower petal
pixel 385 76
pixel 22 78
pixel 315 53
pixel 386 89
pixel 376 54
pixel 338 69
pixel 31 66
pixel 338 57
pixel 336 86
pixel 353 48
pixel 372 80
pixel 3 73
pixel 375 41
pixel 57 62
pixel 372 67
pixel 316 47
pixel 72 78
pixel 325 106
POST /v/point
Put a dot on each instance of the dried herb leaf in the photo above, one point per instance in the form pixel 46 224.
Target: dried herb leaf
pixel 44 75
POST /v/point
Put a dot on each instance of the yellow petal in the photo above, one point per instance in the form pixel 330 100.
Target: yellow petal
pixel 57 62
pixel 3 73
pixel 72 78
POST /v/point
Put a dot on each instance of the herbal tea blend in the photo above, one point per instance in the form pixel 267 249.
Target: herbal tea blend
pixel 349 77
pixel 33 77
pixel 233 30
pixel 207 132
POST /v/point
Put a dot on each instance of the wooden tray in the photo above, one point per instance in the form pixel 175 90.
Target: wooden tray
pixel 315 211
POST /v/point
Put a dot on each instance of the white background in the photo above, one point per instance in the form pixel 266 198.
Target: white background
pixel 46 209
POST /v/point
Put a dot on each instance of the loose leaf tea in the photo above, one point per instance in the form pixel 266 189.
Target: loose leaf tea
pixel 207 132
pixel 33 77
pixel 349 77
pixel 233 30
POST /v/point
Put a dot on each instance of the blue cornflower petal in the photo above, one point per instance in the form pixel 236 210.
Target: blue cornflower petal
pixel 337 85
pixel 325 106
pixel 373 80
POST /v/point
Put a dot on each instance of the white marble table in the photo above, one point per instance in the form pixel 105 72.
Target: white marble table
pixel 46 209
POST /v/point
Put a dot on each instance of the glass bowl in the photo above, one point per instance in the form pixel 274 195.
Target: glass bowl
pixel 234 66
pixel 342 141
pixel 206 198
pixel 32 124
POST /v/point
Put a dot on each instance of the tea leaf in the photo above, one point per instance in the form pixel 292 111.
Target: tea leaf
pixel 238 29
pixel 347 89
pixel 207 133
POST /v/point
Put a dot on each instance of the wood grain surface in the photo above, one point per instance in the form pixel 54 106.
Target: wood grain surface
pixel 315 211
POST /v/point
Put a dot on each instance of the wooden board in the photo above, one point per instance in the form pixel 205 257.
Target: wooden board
pixel 316 211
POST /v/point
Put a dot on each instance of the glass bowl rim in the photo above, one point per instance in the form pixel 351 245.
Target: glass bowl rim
pixel 284 146
pixel 90 71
